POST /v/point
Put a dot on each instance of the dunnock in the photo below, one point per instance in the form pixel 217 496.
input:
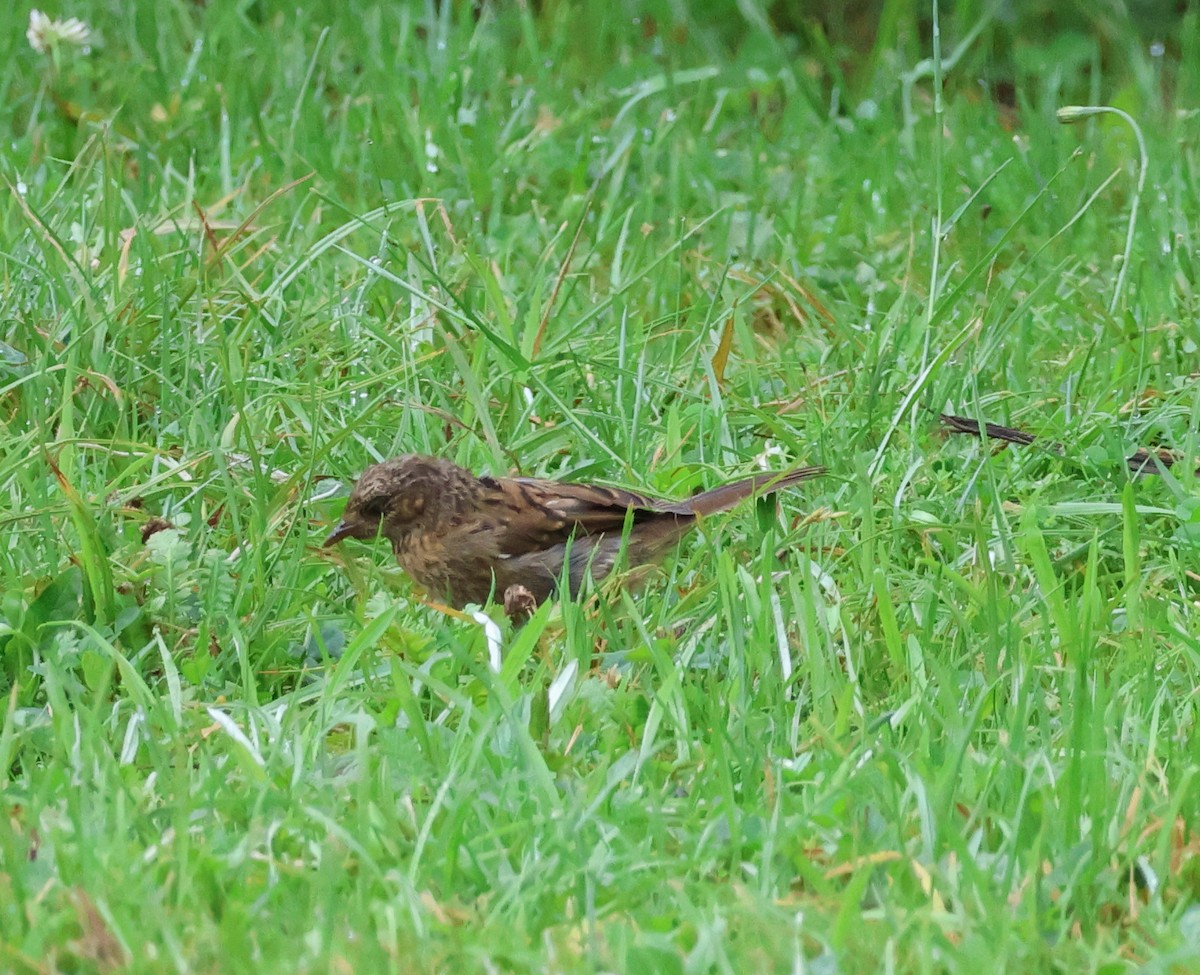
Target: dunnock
pixel 464 537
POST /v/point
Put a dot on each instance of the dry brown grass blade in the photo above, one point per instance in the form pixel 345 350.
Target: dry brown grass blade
pixel 1141 463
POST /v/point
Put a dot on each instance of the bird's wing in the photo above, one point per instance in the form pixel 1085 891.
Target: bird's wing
pixel 592 506
pixel 531 514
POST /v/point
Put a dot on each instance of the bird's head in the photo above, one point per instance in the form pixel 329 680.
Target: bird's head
pixel 393 497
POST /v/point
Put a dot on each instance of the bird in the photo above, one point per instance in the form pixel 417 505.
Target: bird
pixel 465 538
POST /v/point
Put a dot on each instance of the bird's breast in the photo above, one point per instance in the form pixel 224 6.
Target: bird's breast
pixel 454 563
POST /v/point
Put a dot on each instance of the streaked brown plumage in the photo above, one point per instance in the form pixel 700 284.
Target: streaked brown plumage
pixel 464 537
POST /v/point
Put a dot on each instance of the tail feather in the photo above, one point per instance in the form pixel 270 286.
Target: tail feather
pixel 726 496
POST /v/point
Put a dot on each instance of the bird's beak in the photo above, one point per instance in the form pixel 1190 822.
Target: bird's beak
pixel 344 530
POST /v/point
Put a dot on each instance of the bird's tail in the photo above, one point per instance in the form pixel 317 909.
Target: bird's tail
pixel 726 496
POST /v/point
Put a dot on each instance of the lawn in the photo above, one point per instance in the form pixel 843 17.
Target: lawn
pixel 935 712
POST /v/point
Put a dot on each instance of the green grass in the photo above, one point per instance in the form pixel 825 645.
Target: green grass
pixel 934 713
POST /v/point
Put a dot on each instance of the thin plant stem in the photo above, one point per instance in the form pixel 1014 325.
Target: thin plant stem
pixel 1076 113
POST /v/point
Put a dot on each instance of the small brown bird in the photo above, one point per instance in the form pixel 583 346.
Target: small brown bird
pixel 464 537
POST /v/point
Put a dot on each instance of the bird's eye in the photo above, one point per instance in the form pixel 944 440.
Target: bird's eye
pixel 374 507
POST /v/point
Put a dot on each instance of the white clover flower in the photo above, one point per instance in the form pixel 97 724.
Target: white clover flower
pixel 766 459
pixel 45 34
